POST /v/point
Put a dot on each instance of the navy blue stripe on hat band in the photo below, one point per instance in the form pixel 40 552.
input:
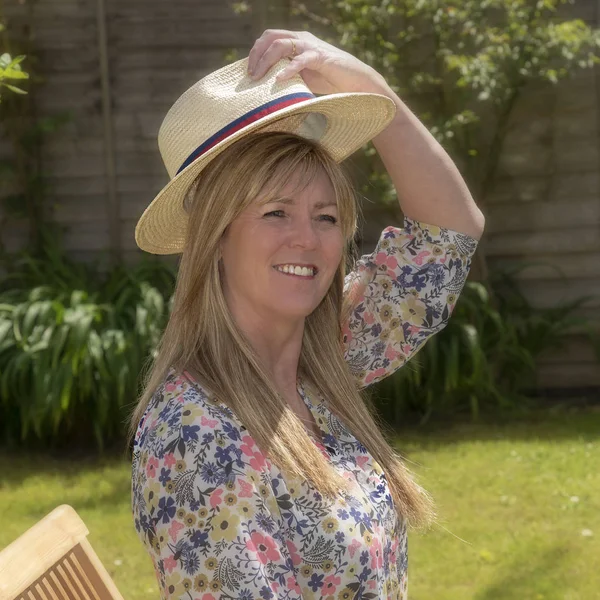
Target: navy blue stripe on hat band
pixel 241 122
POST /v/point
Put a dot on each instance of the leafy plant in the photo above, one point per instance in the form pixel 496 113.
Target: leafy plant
pixel 10 69
pixel 72 345
pixel 461 66
pixel 485 359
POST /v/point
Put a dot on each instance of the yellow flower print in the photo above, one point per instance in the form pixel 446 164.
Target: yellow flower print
pixel 327 565
pixel 384 244
pixel 203 512
pixel 346 594
pixel 385 286
pixel 180 513
pixel 306 570
pixel 368 538
pixel 151 492
pixel 201 582
pixel 244 508
pixel 230 499
pixel 190 414
pixel 451 298
pixel 330 524
pixel 225 525
pixel 190 519
pixel 397 335
pixel 170 486
pixel 215 585
pixel 180 466
pixel 161 429
pixel 434 230
pixel 386 312
pixel 211 563
pixel 437 251
pixel 413 310
pixel 176 586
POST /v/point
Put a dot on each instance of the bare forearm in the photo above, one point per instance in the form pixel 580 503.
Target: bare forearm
pixel 430 187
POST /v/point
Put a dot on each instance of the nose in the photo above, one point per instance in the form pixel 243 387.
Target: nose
pixel 304 233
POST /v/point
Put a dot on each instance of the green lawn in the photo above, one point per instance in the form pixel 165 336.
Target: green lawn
pixel 519 507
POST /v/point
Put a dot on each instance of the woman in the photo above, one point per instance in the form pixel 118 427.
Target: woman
pixel 258 471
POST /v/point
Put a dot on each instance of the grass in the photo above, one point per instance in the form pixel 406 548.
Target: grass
pixel 519 506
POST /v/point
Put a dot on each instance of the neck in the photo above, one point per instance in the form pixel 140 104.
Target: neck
pixel 277 342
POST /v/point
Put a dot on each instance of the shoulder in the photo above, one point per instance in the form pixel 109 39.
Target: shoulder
pixel 182 412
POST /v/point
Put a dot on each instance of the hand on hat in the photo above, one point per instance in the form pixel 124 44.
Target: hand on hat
pixel 324 68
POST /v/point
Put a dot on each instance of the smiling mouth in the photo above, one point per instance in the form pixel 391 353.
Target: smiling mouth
pixel 303 274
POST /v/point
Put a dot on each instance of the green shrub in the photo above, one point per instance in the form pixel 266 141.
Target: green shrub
pixel 73 342
pixel 485 359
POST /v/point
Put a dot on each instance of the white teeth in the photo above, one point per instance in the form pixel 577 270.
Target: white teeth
pixel 302 271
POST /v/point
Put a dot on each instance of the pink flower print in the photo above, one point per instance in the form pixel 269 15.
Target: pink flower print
pixel 246 447
pixel 353 547
pixel 296 558
pixel 175 528
pixel 292 584
pixel 169 563
pixel 391 262
pixel 151 467
pixel 391 353
pixel 380 258
pixel 419 258
pixel 264 546
pixel 246 489
pixel 376 554
pixel 362 461
pixel 407 348
pixel 215 498
pixel 374 374
pixel 257 462
pixel 169 459
pixel 208 597
pixel 170 387
pixel 330 584
pixel 369 317
pixel 212 423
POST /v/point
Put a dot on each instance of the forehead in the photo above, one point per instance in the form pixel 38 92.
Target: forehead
pixel 300 188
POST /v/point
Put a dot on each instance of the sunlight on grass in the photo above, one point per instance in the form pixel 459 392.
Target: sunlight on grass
pixel 519 508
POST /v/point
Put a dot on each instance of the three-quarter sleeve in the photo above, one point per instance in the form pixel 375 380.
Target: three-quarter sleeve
pixel 401 294
pixel 204 507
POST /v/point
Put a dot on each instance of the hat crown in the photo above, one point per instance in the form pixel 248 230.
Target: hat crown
pixel 214 104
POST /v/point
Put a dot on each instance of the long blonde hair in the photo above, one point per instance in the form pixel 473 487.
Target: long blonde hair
pixel 202 338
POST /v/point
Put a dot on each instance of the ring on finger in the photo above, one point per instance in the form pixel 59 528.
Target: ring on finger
pixel 293 47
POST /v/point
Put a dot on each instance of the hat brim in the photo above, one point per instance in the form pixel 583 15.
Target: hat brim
pixel 352 120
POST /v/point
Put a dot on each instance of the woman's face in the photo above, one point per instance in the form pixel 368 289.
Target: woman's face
pixel 296 229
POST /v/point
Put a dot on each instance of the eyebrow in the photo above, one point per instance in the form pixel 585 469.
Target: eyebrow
pixel 286 200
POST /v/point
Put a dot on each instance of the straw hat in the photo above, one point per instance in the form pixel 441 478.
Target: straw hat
pixel 226 105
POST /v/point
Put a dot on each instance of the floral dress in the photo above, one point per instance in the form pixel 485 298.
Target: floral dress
pixel 221 521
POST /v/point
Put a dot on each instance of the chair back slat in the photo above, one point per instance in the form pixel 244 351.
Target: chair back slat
pixel 54 561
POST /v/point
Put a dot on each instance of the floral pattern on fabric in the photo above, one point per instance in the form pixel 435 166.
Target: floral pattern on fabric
pixel 403 293
pixel 221 522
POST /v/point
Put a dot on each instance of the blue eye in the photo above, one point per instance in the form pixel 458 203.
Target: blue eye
pixel 272 212
pixel 332 219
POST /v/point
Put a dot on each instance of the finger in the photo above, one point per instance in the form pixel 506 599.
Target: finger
pixel 263 42
pixel 276 49
pixel 306 60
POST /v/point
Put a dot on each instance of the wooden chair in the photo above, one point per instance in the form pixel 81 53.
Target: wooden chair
pixel 54 561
